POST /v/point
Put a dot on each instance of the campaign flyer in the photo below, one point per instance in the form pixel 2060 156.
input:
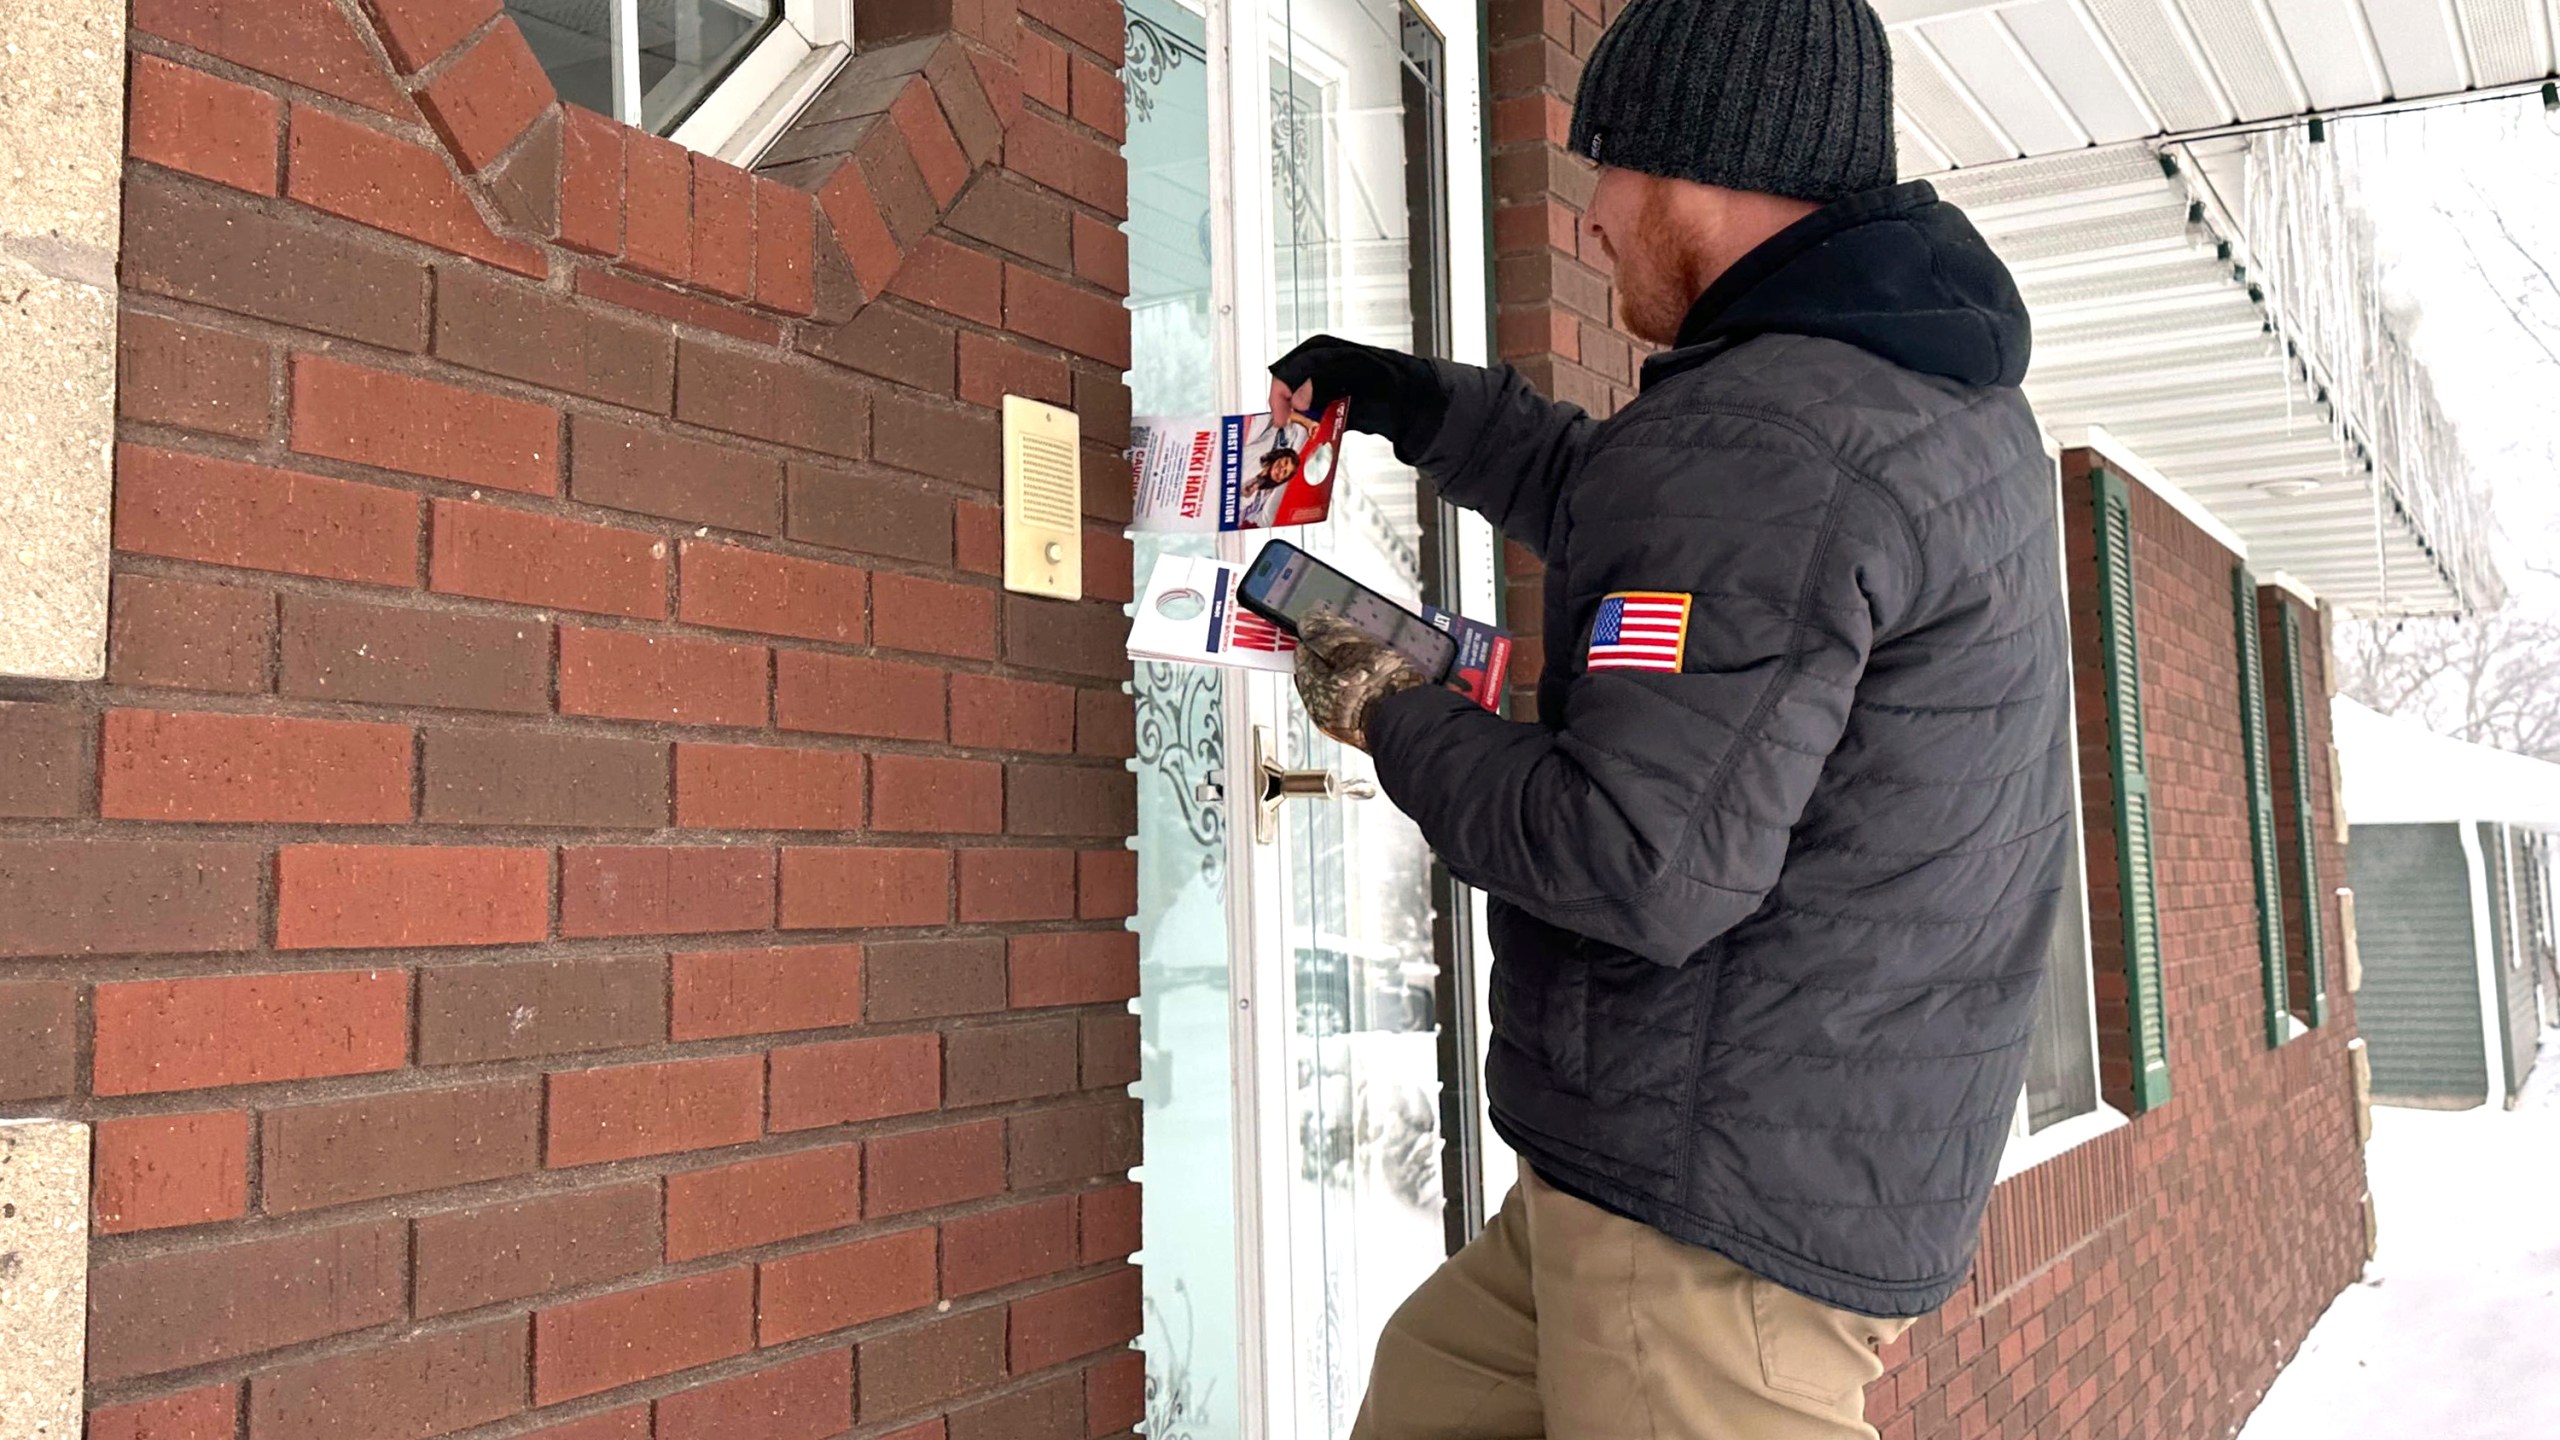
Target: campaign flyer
pixel 1189 616
pixel 1200 474
pixel 1484 656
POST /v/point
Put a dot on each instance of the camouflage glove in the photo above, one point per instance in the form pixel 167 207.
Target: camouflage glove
pixel 1343 673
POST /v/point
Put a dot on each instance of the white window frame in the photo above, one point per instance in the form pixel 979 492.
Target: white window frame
pixel 2028 1149
pixel 767 89
pixel 2025 1152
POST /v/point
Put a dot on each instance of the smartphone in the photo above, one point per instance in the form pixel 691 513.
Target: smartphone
pixel 1284 584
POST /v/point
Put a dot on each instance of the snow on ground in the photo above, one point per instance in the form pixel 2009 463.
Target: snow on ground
pixel 2455 1332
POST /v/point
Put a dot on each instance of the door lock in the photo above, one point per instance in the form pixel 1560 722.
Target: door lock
pixel 1274 784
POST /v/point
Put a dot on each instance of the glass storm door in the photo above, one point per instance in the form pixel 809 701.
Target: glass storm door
pixel 1303 971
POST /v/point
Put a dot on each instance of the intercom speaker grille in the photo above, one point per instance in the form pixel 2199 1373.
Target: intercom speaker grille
pixel 1043 501
pixel 1049 490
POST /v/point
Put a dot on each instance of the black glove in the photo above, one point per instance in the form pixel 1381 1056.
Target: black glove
pixel 1392 394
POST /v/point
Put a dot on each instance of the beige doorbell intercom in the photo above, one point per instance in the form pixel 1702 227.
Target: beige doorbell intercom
pixel 1043 501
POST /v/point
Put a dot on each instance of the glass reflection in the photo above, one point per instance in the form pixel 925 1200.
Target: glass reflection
pixel 1186 1055
pixel 1365 1219
pixel 644 62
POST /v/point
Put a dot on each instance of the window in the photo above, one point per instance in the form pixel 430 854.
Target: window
pixel 2313 1007
pixel 643 62
pixel 2083 1082
pixel 2059 1107
pixel 2264 843
pixel 2533 866
pixel 2062 1062
pixel 725 77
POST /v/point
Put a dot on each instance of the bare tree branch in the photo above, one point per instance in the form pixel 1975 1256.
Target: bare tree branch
pixel 2532 328
pixel 2493 679
pixel 2498 218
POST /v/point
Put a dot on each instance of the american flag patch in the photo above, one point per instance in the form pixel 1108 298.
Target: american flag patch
pixel 1640 630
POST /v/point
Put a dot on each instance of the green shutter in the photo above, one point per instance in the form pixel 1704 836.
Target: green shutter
pixel 2143 985
pixel 2297 705
pixel 2263 844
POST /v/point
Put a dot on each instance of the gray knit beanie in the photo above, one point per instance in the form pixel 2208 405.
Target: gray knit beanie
pixel 1782 97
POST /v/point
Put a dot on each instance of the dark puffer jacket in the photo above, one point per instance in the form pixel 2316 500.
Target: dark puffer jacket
pixel 1768 929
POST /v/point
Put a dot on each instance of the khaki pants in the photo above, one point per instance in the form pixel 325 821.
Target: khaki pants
pixel 1564 1320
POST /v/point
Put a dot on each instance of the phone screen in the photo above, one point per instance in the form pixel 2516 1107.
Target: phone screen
pixel 1288 584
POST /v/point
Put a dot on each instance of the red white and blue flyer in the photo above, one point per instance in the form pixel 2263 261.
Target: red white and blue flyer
pixel 1189 616
pixel 1484 656
pixel 1201 474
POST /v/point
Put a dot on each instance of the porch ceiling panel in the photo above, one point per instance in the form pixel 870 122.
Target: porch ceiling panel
pixel 2148 328
pixel 2062 41
pixel 2165 58
pixel 2257 71
pixel 2419 45
pixel 1935 105
pixel 1980 81
pixel 2332 46
pixel 2507 40
pixel 1983 55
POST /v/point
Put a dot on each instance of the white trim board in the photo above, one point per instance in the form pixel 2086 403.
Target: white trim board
pixel 2025 1152
pixel 2095 438
pixel 768 87
pixel 2293 585
pixel 2484 963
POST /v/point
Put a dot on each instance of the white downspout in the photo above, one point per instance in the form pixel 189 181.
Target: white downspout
pixel 2484 965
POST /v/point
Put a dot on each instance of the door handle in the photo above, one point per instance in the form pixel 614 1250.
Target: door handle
pixel 1274 784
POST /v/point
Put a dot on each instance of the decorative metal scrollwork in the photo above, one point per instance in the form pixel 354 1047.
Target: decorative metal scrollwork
pixel 1153 53
pixel 1181 736
pixel 1177 1409
pixel 1297 139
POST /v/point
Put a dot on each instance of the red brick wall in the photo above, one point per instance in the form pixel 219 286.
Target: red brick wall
pixel 1555 308
pixel 580 908
pixel 1555 315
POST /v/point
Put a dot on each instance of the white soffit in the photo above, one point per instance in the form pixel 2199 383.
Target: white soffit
pixel 1930 102
pixel 2419 45
pixel 1979 81
pixel 2144 332
pixel 2130 466
pixel 2062 41
pixel 2508 42
pixel 1986 58
pixel 2333 47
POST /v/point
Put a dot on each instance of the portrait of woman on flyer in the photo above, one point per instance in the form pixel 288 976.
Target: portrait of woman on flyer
pixel 1294 469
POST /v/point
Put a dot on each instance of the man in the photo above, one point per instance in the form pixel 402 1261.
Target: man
pixel 1774 871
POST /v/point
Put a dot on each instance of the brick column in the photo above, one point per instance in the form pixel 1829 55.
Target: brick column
pixel 1556 311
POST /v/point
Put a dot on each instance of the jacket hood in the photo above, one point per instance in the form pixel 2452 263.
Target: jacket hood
pixel 1896 272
